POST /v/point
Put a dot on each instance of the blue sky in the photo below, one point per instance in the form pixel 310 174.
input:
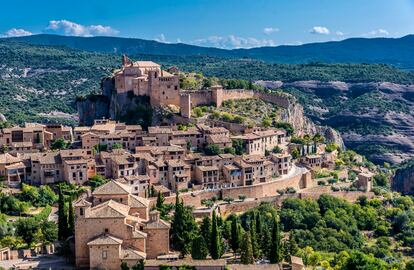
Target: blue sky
pixel 219 23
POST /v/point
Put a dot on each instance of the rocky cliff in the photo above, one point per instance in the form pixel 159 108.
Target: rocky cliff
pixel 124 107
pixel 374 119
pixel 403 180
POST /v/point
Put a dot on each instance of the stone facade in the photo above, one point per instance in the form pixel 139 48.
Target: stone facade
pixel 112 226
pixel 146 78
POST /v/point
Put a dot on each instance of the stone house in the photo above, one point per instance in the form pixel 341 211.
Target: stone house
pixel 113 226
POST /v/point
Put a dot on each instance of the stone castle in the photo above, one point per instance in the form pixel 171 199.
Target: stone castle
pixel 146 78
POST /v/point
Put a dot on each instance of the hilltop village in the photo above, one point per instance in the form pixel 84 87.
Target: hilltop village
pixel 217 168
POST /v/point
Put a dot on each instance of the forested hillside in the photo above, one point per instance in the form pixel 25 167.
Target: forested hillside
pixel 394 51
pixel 40 83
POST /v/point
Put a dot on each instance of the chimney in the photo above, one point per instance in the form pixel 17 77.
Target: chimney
pixel 154 216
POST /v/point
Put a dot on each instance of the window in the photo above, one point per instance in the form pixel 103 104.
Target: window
pixel 81 211
pixel 104 254
pixel 106 230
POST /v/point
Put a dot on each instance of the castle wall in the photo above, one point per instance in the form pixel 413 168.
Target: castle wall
pixel 273 98
pixel 233 94
pixel 185 105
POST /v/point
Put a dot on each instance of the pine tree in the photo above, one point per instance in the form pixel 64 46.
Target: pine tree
pixel 275 255
pixel 246 250
pixel 62 217
pixel 253 238
pixel 235 235
pixel 199 250
pixel 215 246
pixel 71 218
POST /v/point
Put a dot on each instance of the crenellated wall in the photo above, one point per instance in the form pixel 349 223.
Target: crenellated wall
pixel 216 95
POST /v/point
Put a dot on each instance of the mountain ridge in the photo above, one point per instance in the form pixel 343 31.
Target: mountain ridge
pixel 393 51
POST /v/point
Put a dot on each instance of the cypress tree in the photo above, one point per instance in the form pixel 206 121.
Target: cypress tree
pixel 235 235
pixel 205 230
pixel 62 217
pixel 265 239
pixel 160 201
pixel 71 218
pixel 293 246
pixel 215 247
pixel 199 250
pixel 246 250
pixel 259 225
pixel 253 238
pixel 275 255
pixel 183 228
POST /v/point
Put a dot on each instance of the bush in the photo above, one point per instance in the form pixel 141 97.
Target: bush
pixel 321 183
pixel 212 150
pixel 335 188
pixel 198 112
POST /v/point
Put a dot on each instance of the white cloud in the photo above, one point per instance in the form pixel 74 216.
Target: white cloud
pixel 17 32
pixel 232 42
pixel 69 28
pixel 377 33
pixel 161 38
pixel 320 30
pixel 270 30
pixel 340 34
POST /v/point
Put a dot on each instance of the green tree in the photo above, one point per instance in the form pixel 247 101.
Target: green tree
pixel 58 144
pixel 160 201
pixel 359 260
pixel 29 230
pixel 71 217
pixel 49 231
pixel 215 246
pixel 140 265
pixel 228 200
pixel 295 154
pixel 409 265
pixel 212 150
pixel 199 250
pixel 253 237
pixel 62 216
pixel 183 227
pixel 236 234
pixel 124 266
pixel 116 146
pixel 205 230
pixel 275 255
pixel 229 150
pixel 292 245
pixel 97 181
pixel 238 146
pixel 246 250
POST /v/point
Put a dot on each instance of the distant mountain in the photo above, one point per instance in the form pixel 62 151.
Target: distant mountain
pixel 395 51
